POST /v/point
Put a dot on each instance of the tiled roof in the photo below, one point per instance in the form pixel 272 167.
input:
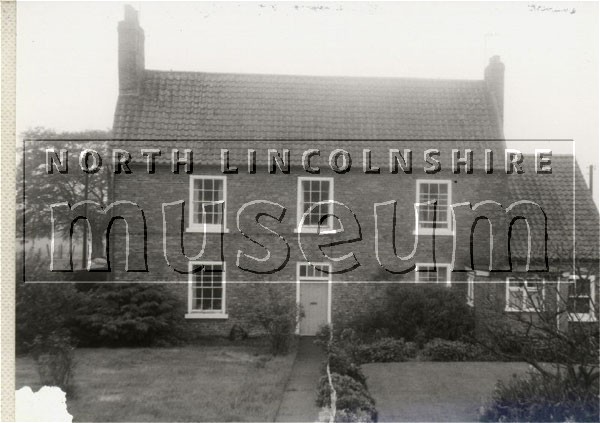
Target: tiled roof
pixel 197 105
pixel 210 111
pixel 569 207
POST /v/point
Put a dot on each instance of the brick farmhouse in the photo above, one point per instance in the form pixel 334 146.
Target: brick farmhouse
pixel 328 159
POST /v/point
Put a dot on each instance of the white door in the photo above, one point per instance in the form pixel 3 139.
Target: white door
pixel 315 302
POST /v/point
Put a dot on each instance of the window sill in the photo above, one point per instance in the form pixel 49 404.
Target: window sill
pixel 519 310
pixel 209 230
pixel 429 231
pixel 582 318
pixel 313 230
pixel 206 316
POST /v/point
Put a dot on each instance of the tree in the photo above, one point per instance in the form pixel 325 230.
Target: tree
pixel 550 329
pixel 554 330
pixel 37 190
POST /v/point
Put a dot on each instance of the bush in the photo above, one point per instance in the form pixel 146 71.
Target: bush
pixel 352 400
pixel 279 317
pixel 419 314
pixel 53 355
pixel 538 398
pixel 323 336
pixel 340 363
pixel 98 314
pixel 127 315
pixel 385 350
pixel 41 309
pixel 361 416
pixel 444 350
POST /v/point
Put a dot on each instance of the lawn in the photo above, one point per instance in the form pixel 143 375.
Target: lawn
pixel 192 383
pixel 434 391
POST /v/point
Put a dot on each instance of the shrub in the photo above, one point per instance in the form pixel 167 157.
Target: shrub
pixel 127 315
pixel 384 350
pixel 41 309
pixel 340 363
pixel 420 313
pixel 360 416
pixel 352 398
pixel 538 398
pixel 53 355
pixel 411 349
pixel 323 336
pixel 279 317
pixel 444 350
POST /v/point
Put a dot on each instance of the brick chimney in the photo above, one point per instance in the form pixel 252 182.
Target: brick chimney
pixel 494 79
pixel 131 53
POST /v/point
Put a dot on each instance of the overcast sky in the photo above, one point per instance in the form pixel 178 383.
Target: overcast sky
pixel 67 54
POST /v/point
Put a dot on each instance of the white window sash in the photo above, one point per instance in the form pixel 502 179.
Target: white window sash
pixel 471 290
pixel 441 227
pixel 196 313
pixel 301 205
pixel 193 225
pixel 440 267
pixel 527 294
pixel 590 316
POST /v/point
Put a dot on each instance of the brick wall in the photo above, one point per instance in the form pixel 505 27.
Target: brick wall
pixel 355 189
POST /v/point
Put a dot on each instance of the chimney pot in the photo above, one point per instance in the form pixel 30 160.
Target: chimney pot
pixel 494 79
pixel 131 15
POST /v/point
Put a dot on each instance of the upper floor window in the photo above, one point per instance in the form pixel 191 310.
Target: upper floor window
pixel 312 191
pixel 524 294
pixel 205 190
pixel 431 215
pixel 580 298
pixel 433 273
pixel 206 291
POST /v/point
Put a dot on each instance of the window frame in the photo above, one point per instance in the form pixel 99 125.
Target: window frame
pixel 447 228
pixel 300 205
pixel 207 314
pixel 447 282
pixel 210 227
pixel 590 316
pixel 471 290
pixel 510 307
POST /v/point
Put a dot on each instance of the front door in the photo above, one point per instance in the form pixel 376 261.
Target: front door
pixel 314 300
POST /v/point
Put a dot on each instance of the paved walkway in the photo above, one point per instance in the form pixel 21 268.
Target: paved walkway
pixel 298 403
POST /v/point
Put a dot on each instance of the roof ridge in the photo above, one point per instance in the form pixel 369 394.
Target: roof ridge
pixel 285 75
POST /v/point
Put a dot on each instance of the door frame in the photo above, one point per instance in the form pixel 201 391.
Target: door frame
pixel 327 278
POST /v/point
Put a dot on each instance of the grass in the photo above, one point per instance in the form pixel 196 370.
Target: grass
pixel 193 383
pixel 435 391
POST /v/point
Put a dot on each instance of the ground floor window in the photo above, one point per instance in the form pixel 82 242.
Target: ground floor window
pixel 580 298
pixel 433 273
pixel 206 293
pixel 524 294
